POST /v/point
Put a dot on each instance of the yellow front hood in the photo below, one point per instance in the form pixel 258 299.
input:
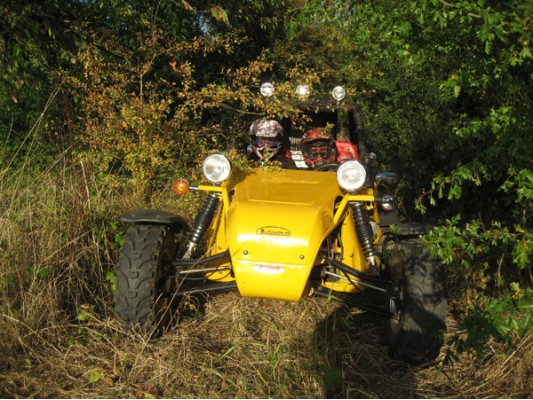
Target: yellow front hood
pixel 276 223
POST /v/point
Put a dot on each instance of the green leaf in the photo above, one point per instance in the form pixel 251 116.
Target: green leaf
pixel 455 192
pixel 220 14
pixel 95 376
pixel 83 316
pixel 110 276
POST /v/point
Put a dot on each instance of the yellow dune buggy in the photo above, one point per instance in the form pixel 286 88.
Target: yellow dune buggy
pixel 286 233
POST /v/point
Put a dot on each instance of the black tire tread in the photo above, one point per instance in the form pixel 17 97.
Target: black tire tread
pixel 137 274
pixel 419 335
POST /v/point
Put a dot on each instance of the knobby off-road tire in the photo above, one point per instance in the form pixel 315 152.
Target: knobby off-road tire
pixel 145 277
pixel 416 334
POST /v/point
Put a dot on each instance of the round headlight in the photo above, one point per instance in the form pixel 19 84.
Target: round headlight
pixel 351 176
pixel 338 93
pixel 267 89
pixel 216 168
pixel 303 91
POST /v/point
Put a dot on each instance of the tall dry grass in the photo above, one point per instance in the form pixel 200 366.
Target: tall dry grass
pixel 51 260
pixel 57 242
pixel 246 348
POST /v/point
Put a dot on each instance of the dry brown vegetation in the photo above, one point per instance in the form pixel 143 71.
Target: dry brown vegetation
pixel 246 348
pixel 59 338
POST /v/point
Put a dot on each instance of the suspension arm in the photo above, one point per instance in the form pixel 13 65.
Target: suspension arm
pixel 187 262
pixel 358 274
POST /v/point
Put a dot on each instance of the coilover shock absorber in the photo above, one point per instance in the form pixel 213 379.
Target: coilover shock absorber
pixel 364 231
pixel 202 222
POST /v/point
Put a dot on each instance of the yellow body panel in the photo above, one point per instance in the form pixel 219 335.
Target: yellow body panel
pixel 274 226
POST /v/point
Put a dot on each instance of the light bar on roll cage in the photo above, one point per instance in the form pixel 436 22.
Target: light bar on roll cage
pixel 303 91
pixel 267 89
pixel 338 93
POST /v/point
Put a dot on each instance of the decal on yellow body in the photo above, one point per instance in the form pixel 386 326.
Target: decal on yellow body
pixel 274 231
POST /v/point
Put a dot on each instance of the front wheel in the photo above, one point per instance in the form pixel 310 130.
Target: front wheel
pixel 145 276
pixel 415 333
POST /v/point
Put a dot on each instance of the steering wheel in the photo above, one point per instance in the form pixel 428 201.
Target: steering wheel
pixel 330 167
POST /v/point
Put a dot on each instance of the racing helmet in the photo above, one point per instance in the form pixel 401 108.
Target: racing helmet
pixel 266 138
pixel 318 147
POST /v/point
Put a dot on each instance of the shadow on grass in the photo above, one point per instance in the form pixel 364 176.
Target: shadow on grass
pixel 355 361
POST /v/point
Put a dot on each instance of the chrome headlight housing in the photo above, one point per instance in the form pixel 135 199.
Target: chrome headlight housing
pixel 216 168
pixel 338 93
pixel 267 89
pixel 303 91
pixel 351 176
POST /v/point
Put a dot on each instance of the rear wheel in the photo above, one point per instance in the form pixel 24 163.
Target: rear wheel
pixel 416 332
pixel 145 277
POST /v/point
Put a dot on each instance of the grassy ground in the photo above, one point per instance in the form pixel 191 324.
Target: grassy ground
pixel 59 338
pixel 246 348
